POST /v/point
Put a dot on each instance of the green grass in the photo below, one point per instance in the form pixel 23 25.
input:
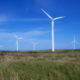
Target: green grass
pixel 40 65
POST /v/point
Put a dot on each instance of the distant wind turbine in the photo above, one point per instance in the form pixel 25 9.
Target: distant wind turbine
pixel 33 45
pixel 52 21
pixel 17 40
pixel 74 41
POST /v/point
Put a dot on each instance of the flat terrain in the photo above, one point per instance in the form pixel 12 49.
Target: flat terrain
pixel 40 65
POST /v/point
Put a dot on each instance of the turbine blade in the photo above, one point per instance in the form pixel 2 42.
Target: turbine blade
pixel 72 41
pixel 47 14
pixel 20 38
pixel 32 42
pixel 59 17
pixel 15 35
pixel 76 42
pixel 35 43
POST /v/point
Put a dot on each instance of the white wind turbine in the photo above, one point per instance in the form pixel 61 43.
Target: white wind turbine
pixel 17 40
pixel 33 45
pixel 74 41
pixel 52 21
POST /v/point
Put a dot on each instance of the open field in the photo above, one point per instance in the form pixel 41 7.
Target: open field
pixel 40 65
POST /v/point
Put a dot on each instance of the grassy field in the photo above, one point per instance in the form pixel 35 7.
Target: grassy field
pixel 40 65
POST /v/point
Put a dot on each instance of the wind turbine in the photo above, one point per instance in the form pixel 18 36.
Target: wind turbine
pixel 33 45
pixel 74 41
pixel 52 21
pixel 17 40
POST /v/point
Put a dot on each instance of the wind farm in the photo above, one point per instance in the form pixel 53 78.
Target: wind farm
pixel 39 40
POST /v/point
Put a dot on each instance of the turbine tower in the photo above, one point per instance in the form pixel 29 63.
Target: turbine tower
pixel 17 40
pixel 33 45
pixel 52 22
pixel 74 41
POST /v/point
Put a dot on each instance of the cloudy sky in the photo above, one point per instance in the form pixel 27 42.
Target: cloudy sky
pixel 26 20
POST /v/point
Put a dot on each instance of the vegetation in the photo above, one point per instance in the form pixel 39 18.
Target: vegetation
pixel 40 65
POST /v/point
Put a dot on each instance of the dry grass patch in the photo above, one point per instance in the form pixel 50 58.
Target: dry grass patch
pixel 40 65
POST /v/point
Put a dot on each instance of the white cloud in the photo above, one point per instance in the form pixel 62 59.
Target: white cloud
pixel 28 34
pixel 5 35
pixel 31 19
pixel 40 28
pixel 2 30
pixel 32 33
pixel 11 19
pixel 3 18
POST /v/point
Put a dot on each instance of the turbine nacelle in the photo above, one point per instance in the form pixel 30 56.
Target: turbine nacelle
pixel 75 41
pixel 33 43
pixel 51 20
pixel 20 38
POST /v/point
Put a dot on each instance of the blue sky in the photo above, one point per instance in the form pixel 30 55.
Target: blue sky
pixel 25 19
